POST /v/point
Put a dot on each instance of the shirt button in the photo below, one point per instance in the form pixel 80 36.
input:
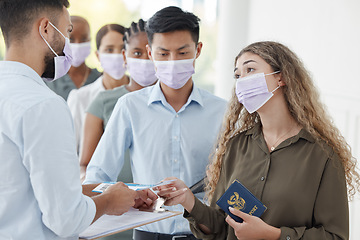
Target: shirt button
pixel 175 160
pixel 176 138
pixel 262 178
pixel 177 115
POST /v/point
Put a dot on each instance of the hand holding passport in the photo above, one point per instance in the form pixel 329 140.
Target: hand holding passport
pixel 239 197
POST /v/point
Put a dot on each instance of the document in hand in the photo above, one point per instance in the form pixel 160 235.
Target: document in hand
pixel 239 197
pixel 136 187
pixel 108 225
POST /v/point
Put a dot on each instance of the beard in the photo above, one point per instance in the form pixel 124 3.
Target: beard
pixel 49 61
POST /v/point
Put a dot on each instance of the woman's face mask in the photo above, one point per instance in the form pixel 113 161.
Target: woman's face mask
pixel 113 64
pixel 252 91
pixel 142 71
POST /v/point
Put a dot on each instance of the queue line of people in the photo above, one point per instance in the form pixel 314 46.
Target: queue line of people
pixel 275 136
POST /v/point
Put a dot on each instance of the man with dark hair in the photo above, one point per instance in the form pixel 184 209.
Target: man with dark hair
pixel 170 128
pixel 79 74
pixel 40 191
pixel 173 19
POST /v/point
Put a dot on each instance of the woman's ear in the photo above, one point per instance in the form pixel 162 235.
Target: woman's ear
pixel 278 77
pixel 281 83
pixel 124 56
pixel 148 49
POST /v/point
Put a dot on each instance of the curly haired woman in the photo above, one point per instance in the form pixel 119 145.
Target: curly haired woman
pixel 279 142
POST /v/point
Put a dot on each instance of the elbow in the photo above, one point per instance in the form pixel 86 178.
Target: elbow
pixel 69 227
pixel 64 230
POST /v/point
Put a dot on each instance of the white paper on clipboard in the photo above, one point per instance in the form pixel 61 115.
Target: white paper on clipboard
pixel 108 224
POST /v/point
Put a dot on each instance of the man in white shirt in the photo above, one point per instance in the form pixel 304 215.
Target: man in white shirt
pixel 40 192
pixel 80 74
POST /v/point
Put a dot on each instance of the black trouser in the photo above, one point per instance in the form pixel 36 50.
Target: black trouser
pixel 142 235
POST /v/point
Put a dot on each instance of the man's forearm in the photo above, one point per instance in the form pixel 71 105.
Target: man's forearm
pixel 87 189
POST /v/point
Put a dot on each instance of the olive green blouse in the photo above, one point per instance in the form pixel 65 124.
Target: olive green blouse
pixel 302 183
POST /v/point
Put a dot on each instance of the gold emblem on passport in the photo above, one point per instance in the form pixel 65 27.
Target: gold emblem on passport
pixel 236 201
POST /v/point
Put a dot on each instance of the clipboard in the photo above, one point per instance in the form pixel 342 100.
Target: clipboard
pixel 108 225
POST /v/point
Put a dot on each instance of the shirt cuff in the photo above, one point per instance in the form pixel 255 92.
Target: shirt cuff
pixel 196 217
pixel 90 213
pixel 291 234
pixel 197 211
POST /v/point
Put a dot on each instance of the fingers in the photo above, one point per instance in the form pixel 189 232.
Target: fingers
pixel 151 195
pixel 239 213
pixel 231 221
pixel 118 185
pixel 166 190
pixel 147 196
pixel 172 193
pixel 178 184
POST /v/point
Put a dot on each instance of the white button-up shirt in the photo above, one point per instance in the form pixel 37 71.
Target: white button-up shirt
pixel 162 143
pixel 40 190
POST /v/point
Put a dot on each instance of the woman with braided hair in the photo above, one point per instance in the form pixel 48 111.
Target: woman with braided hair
pixel 279 142
pixel 142 74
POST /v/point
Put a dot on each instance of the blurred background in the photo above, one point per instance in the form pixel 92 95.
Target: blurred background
pixel 324 33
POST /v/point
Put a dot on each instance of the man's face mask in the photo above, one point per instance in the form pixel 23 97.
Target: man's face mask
pixel 62 63
pixel 175 73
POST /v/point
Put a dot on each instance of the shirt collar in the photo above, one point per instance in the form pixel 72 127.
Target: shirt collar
pixel 18 68
pixel 255 131
pixel 157 95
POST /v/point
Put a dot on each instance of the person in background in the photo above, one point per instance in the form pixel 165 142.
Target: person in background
pixel 109 45
pixel 280 143
pixel 79 74
pixel 41 195
pixel 169 128
pixel 142 74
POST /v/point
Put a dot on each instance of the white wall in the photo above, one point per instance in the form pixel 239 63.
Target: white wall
pixel 326 36
pixel 324 33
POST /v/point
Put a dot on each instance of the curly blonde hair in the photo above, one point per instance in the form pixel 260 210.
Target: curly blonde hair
pixel 304 105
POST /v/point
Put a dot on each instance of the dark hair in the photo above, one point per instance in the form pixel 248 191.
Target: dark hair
pixel 105 29
pixel 171 19
pixel 17 16
pixel 134 29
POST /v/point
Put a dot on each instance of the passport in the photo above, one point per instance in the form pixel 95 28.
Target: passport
pixel 239 197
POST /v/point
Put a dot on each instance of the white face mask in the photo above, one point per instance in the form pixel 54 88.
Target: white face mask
pixel 175 73
pixel 142 71
pixel 80 51
pixel 113 64
pixel 252 91
pixel 62 63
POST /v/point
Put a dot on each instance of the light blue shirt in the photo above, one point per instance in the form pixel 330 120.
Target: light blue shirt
pixel 162 142
pixel 40 190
